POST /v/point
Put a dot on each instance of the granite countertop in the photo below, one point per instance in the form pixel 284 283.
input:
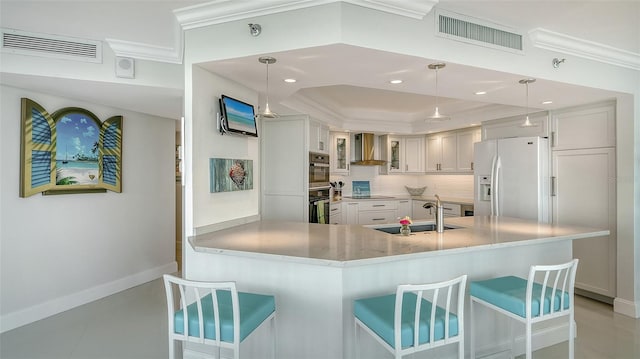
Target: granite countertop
pixel 343 245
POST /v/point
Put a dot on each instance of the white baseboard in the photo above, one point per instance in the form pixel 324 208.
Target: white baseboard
pixel 57 305
pixel 626 307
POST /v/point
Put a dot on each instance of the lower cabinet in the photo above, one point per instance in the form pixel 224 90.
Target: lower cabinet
pixel 377 212
pixel 335 213
pixel 404 208
pixel 350 210
pixel 376 217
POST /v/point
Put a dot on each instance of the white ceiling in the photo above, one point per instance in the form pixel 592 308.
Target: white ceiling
pixel 337 80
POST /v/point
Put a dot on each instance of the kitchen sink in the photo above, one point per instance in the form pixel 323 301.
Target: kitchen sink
pixel 395 229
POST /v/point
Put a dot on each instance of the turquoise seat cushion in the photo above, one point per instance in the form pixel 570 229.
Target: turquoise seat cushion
pixel 254 309
pixel 509 294
pixel 377 313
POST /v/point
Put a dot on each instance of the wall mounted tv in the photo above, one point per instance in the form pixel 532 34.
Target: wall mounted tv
pixel 237 117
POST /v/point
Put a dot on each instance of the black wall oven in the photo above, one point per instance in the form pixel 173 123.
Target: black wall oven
pixel 318 170
pixel 319 199
pixel 319 203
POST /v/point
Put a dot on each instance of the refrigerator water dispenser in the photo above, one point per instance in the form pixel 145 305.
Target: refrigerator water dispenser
pixel 484 188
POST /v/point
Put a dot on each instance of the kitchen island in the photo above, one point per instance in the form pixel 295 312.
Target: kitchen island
pixel 316 271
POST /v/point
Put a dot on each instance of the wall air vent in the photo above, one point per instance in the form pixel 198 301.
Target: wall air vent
pixel 475 31
pixel 61 47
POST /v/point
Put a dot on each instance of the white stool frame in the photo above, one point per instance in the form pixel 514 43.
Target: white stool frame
pixel 193 291
pixel 563 277
pixel 418 289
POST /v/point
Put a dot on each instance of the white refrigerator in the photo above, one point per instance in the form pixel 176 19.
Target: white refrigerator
pixel 511 178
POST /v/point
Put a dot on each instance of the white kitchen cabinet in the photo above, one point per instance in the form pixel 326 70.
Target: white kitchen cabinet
pixel 441 152
pixel 451 209
pixel 405 154
pixel 335 213
pixel 414 154
pixel 451 151
pixel 404 208
pixel 318 137
pixel 584 194
pixel 464 149
pixel 512 127
pixel 340 153
pixel 377 217
pixel 418 212
pixel 370 211
pixel 584 127
pixel 350 210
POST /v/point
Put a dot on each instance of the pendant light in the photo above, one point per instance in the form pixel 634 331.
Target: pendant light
pixel 436 115
pixel 267 60
pixel 527 122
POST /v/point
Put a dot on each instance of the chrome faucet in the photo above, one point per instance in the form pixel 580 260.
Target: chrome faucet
pixel 439 213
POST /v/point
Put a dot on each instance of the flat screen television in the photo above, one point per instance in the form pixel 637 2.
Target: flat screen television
pixel 238 117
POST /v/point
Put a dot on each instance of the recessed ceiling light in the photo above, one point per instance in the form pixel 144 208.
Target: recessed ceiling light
pixel 395 82
pixel 481 93
pixel 290 80
pixel 548 102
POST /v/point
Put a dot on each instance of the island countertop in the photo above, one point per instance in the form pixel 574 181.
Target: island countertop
pixel 343 245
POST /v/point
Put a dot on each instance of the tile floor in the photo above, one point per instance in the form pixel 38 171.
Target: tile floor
pixel 132 325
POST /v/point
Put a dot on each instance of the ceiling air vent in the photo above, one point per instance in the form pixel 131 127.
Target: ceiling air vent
pixel 475 31
pixel 69 48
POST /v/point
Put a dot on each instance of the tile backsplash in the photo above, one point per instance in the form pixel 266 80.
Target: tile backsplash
pixel 458 186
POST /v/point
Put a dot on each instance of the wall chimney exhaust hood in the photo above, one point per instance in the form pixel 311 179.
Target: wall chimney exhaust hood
pixel 364 145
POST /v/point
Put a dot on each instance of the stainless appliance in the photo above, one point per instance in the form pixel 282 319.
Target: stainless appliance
pixel 511 178
pixel 318 170
pixel 319 203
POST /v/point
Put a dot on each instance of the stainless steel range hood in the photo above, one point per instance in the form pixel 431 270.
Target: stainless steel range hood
pixel 364 150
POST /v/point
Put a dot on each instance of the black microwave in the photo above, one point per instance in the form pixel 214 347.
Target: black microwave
pixel 318 170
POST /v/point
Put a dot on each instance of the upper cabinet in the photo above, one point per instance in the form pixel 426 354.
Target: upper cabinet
pixel 340 153
pixel 585 127
pixel 451 151
pixel 512 127
pixel 318 137
pixel 405 154
pixel 464 148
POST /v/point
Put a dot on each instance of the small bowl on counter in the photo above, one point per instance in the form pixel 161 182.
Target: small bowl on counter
pixel 415 191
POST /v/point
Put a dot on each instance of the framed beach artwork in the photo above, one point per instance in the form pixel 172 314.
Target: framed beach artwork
pixel 230 175
pixel 69 151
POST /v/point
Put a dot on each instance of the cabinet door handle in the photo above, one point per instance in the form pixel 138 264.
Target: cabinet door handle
pixel 472 166
pixel 553 186
pixel 378 219
pixel 406 167
pixel 379 205
pixel 553 139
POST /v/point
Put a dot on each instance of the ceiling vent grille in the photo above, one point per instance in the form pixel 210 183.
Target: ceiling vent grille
pixel 478 32
pixel 25 43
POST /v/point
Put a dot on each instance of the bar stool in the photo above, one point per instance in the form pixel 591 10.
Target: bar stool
pixel 546 294
pixel 215 314
pixel 404 325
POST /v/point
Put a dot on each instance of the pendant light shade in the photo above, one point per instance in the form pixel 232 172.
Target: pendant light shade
pixel 437 117
pixel 527 122
pixel 267 60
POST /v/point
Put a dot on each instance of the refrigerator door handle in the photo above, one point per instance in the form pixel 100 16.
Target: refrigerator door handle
pixel 496 190
pixel 492 189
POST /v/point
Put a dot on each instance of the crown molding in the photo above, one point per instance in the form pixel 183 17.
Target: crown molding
pixel 221 11
pixel 549 40
pixel 143 51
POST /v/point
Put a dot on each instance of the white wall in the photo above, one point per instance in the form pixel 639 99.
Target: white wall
pixel 61 251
